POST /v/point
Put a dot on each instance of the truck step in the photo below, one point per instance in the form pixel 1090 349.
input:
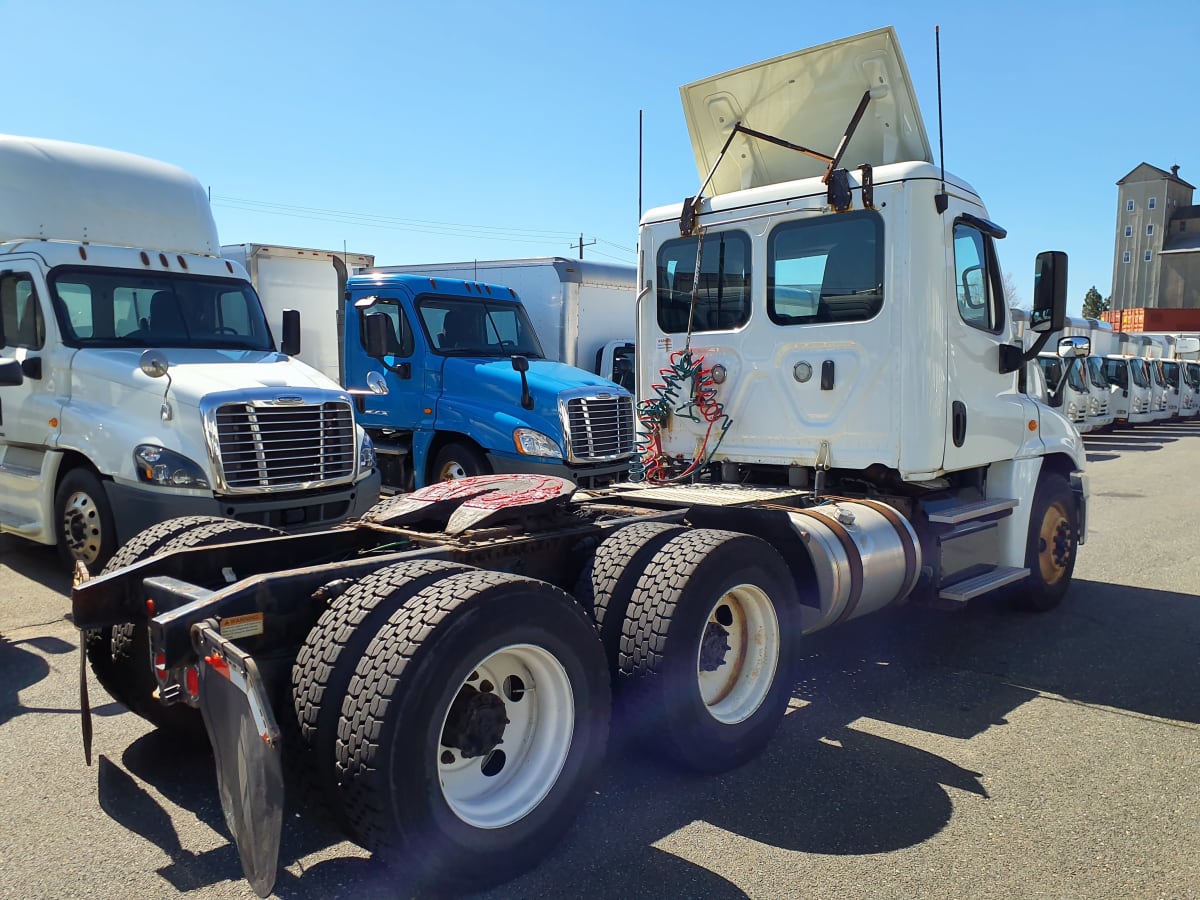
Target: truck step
pixel 964 512
pixel 982 584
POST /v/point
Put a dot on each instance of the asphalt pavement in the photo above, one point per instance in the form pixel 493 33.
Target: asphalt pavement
pixel 982 753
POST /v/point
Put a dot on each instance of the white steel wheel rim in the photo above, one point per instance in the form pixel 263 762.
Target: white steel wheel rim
pixel 738 654
pixel 81 526
pixel 453 471
pixel 505 785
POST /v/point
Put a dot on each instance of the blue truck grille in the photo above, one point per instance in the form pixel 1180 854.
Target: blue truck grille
pixel 285 447
pixel 600 428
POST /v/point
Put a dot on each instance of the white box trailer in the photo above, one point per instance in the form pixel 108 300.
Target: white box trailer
pixel 582 310
pixel 310 281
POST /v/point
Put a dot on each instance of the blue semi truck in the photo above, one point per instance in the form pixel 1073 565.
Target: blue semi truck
pixel 451 382
pixel 449 376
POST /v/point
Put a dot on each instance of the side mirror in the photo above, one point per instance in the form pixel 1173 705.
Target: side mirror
pixel 10 373
pixel 1049 292
pixel 375 334
pixel 290 345
pixel 521 364
pixel 1073 347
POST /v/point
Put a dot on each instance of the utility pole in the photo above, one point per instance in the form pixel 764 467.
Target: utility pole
pixel 581 244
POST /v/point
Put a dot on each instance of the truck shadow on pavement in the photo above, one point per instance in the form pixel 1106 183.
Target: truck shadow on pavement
pixel 35 562
pixel 826 783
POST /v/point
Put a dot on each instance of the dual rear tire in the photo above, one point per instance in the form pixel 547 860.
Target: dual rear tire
pixel 472 713
pixel 702 631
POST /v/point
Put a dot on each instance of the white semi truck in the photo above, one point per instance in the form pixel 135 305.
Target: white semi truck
pixel 141 378
pixel 840 427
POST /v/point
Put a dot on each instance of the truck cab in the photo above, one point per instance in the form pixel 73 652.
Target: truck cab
pixel 452 381
pixel 1069 389
pixel 142 378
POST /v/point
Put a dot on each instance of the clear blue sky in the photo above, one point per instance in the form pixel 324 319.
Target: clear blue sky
pixel 447 131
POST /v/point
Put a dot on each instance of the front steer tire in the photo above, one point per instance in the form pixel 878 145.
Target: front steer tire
pixel 1052 545
pixel 455 778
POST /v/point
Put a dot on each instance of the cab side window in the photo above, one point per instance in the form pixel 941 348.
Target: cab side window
pixel 400 341
pixel 23 322
pixel 980 297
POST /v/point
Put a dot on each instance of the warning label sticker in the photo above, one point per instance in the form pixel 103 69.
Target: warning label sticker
pixel 242 626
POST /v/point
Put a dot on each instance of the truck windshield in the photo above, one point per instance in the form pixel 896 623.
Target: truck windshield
pixel 1116 372
pixel 1096 372
pixel 478 328
pixel 1076 375
pixel 1138 368
pixel 1052 369
pixel 1155 372
pixel 1171 373
pixel 123 308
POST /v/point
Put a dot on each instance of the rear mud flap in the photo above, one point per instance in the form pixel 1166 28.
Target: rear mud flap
pixel 246 743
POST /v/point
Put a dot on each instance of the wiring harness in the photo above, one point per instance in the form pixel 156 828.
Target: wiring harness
pixel 687 390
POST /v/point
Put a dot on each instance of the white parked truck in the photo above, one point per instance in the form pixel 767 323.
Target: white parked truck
pixel 840 427
pixel 1126 369
pixel 1154 349
pixel 1099 416
pixel 141 379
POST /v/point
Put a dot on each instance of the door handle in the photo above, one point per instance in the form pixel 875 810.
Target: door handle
pixel 959 423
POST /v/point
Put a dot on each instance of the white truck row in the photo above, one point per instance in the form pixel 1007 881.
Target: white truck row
pixel 1126 379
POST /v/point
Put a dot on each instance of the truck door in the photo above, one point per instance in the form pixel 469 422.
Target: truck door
pixel 987 415
pixel 403 406
pixel 28 410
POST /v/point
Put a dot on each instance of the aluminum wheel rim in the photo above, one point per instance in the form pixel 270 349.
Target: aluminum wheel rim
pixel 81 526
pixel 1054 544
pixel 738 654
pixel 501 787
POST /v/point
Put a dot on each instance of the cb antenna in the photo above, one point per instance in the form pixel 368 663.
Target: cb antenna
pixel 941 201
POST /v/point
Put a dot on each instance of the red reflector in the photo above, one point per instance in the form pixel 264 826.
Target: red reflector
pixel 160 662
pixel 149 606
pixel 221 667
pixel 191 678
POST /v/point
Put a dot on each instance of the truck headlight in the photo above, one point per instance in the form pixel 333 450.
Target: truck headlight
pixel 534 443
pixel 157 465
pixel 366 454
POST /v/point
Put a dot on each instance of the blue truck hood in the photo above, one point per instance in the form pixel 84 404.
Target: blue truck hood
pixel 495 385
pixel 496 379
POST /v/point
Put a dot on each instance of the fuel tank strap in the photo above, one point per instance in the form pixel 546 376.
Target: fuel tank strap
pixel 853 559
pixel 906 539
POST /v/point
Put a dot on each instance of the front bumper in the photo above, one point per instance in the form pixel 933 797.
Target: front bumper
pixel 583 475
pixel 137 508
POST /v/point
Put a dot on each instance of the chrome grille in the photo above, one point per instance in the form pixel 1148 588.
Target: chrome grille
pixel 600 428
pixel 282 446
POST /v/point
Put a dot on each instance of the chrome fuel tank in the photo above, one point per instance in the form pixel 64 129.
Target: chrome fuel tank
pixel 865 554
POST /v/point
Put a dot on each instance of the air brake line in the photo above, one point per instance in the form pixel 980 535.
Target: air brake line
pixel 699 405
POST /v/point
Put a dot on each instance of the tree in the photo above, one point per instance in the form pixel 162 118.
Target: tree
pixel 1011 297
pixel 1094 304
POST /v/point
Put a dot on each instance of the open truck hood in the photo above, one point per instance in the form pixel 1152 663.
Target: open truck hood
pixel 806 98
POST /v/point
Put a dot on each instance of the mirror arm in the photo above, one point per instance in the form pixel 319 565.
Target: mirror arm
pixel 1036 347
